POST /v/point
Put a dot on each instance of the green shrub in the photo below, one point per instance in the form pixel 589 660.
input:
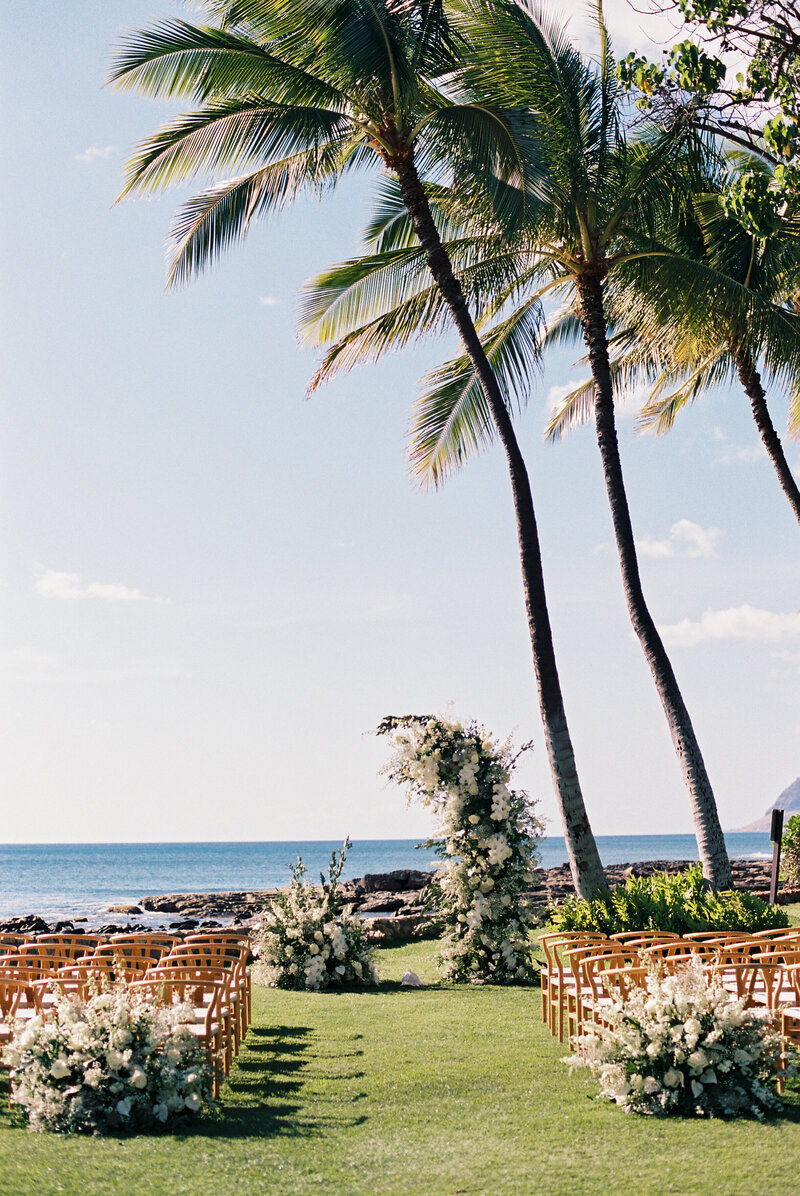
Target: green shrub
pixel 680 902
pixel 790 851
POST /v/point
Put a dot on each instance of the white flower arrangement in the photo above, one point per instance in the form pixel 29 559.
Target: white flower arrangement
pixel 684 1044
pixel 113 1062
pixel 487 834
pixel 306 942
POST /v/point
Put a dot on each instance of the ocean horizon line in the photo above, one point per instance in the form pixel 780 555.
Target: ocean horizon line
pixel 384 839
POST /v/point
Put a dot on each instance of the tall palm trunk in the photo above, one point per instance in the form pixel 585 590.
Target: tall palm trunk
pixel 710 840
pixel 751 382
pixel 587 871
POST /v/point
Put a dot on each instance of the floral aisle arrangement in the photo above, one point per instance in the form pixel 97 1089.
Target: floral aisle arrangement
pixel 486 833
pixel 112 1062
pixel 307 941
pixel 684 1045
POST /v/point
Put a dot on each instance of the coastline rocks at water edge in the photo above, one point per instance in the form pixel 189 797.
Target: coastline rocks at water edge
pixel 394 905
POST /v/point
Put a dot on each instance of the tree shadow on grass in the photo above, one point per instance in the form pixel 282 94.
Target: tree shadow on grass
pixel 286 1083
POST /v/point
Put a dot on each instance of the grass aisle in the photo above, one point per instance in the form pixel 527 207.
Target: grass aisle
pixel 439 1090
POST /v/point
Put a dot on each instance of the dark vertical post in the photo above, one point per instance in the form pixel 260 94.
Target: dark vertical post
pixel 775 834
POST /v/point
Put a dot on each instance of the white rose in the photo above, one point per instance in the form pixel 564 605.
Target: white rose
pixel 313 949
pixel 59 1069
pixel 124 1107
pixel 138 1078
pixel 192 1101
pixel 318 936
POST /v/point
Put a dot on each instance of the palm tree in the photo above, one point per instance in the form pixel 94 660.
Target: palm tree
pixel 295 95
pixel 682 341
pixel 592 205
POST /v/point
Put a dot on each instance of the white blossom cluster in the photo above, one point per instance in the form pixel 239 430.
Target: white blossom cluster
pixel 487 835
pixel 306 942
pixel 114 1061
pixel 684 1044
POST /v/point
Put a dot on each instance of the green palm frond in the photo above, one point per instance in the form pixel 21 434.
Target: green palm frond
pixel 794 410
pixel 213 220
pixel 573 409
pixel 659 412
pixel 231 133
pixel 451 419
pixel 173 58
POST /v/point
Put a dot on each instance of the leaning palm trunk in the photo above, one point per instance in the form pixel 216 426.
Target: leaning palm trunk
pixel 751 382
pixel 585 865
pixel 710 840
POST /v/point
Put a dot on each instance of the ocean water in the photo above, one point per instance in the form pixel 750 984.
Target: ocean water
pixel 84 879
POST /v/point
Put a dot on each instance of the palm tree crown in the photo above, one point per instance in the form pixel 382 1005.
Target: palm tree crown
pixel 295 95
pixel 591 212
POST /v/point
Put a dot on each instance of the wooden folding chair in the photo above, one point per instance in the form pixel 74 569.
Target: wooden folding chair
pixel 584 962
pixel 147 938
pixel 231 956
pixel 556 976
pixel 206 995
pixel 131 960
pixel 790 1019
pixel 72 945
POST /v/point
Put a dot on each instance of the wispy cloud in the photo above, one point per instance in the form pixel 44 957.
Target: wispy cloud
pixel 737 623
pixel 685 539
pixel 69 586
pixel 95 152
pixel 734 454
pixel 268 301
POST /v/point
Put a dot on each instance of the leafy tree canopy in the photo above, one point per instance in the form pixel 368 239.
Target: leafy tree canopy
pixel 755 105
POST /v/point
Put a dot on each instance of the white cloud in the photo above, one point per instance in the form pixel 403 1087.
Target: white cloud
pixel 742 455
pixel 738 623
pixel 93 152
pixel 685 539
pixel 68 586
pixel 268 301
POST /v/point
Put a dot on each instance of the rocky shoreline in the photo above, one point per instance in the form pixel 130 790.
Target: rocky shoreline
pixel 394 903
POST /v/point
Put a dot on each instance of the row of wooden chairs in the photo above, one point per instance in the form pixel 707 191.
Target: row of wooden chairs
pixel 584 973
pixel 582 969
pixel 206 970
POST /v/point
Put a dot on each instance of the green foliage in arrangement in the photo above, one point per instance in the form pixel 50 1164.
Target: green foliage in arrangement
pixel 307 941
pixel 681 902
pixel 790 849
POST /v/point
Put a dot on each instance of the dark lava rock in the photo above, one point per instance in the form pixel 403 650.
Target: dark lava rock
pixel 381 903
pixel 397 928
pixel 160 906
pixel 393 882
pixel 185 924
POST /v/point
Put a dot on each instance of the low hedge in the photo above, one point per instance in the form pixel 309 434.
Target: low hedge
pixel 680 902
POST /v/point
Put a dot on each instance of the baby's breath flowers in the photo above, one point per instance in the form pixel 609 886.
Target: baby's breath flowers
pixel 487 834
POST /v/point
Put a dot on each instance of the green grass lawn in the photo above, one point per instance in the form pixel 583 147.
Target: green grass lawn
pixel 437 1090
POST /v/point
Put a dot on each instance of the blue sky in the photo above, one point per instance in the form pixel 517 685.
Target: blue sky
pixel 213 589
